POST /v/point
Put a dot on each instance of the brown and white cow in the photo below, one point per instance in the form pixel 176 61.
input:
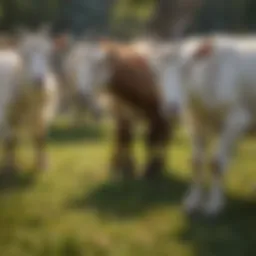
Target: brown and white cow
pixel 130 79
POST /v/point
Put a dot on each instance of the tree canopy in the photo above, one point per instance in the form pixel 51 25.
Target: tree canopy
pixel 124 16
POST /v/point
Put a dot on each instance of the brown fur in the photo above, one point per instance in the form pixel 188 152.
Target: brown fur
pixel 133 83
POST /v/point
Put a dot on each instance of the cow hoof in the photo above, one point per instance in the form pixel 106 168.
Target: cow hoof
pixel 122 175
pixel 214 205
pixel 193 200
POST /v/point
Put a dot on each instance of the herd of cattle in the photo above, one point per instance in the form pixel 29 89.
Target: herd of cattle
pixel 207 84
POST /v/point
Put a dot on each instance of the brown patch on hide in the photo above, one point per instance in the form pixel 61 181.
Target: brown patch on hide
pixel 133 82
pixel 61 42
pixel 204 50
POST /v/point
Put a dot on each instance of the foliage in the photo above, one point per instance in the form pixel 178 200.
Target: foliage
pixel 121 16
pixel 85 16
pixel 26 12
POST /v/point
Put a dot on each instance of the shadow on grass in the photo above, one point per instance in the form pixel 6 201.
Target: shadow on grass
pixel 16 180
pixel 131 198
pixel 71 134
pixel 232 233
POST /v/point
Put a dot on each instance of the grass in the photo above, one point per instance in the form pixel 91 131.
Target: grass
pixel 75 209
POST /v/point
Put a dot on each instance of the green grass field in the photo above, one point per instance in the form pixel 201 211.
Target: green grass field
pixel 75 209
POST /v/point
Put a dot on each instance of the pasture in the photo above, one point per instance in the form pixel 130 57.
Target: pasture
pixel 74 209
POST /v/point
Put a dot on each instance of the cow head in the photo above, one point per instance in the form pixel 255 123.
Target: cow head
pixel 35 49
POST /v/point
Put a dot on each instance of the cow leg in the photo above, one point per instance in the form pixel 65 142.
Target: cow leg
pixel 236 124
pixel 194 196
pixel 40 143
pixel 79 115
pixel 10 139
pixel 157 142
pixel 9 151
pixel 122 159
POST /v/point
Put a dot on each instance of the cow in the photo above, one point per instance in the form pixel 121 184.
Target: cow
pixel 29 95
pixel 129 78
pixel 214 80
pixel 68 55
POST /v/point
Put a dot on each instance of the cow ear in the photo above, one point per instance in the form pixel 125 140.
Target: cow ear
pixel 205 49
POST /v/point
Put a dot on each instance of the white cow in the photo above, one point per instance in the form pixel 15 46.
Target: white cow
pixel 213 81
pixel 70 71
pixel 29 94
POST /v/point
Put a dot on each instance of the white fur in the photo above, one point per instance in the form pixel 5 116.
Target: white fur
pixel 10 67
pixel 219 87
pixel 19 69
pixel 35 50
pixel 81 74
pixel 80 66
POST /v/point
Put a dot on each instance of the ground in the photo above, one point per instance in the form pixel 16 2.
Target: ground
pixel 75 209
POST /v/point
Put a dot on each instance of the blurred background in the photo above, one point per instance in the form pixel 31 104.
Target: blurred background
pixel 74 209
pixel 127 18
